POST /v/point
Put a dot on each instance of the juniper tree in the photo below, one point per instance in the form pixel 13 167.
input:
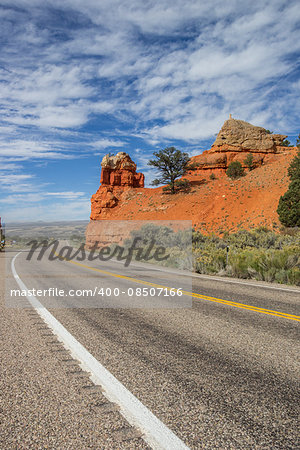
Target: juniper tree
pixel 289 204
pixel 171 163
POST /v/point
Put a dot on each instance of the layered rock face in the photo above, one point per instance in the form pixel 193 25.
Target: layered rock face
pixel 117 176
pixel 241 135
pixel 120 170
pixel 234 141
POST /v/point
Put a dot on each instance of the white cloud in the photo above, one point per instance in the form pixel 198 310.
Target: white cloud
pixel 15 182
pixel 159 61
pixel 38 205
pixel 24 149
pixel 7 165
pixel 74 210
pixel 67 195
pixel 20 199
pixel 190 130
pixel 38 197
pixel 11 178
pixel 102 144
pixel 159 71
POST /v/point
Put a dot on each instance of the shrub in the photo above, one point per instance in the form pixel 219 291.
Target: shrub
pixel 293 276
pixel 239 264
pixel 212 176
pixel 179 185
pixel 270 265
pixel 209 260
pixel 183 185
pixel 249 161
pixel 235 170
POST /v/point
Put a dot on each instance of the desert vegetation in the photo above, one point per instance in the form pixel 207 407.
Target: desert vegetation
pixel 260 254
pixel 235 170
pixel 182 185
pixel 248 161
pixel 289 203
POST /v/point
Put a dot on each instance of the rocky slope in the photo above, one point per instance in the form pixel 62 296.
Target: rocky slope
pixel 212 205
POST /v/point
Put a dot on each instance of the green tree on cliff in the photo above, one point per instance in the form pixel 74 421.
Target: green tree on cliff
pixel 289 204
pixel 171 163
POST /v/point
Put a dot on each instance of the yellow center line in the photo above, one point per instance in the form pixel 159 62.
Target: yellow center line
pixel 192 294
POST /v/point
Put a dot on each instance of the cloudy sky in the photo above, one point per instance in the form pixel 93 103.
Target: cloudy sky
pixel 81 78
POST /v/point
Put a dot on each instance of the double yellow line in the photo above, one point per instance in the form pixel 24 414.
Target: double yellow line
pixel 194 295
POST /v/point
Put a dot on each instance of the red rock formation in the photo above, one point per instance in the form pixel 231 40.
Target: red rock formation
pixel 120 170
pixel 117 176
pixel 234 142
pixel 218 204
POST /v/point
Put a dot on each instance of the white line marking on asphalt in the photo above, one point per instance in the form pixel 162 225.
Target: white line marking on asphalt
pixel 155 433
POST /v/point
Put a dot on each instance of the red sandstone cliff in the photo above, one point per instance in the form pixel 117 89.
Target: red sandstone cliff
pixel 212 205
pixel 118 175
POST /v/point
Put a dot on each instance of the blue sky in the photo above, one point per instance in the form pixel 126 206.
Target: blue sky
pixel 81 78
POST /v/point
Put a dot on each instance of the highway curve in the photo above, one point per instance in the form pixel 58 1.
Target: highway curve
pixel 220 372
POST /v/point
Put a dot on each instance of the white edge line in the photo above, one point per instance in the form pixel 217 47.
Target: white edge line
pixel 154 432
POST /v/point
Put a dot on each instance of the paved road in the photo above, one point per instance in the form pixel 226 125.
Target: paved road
pixel 218 375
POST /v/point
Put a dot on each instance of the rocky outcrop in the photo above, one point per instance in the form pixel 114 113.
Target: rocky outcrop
pixel 118 175
pixel 220 159
pixel 213 204
pixel 120 170
pixel 241 135
pixel 234 142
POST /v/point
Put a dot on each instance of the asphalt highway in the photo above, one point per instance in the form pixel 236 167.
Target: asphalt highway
pixel 218 365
